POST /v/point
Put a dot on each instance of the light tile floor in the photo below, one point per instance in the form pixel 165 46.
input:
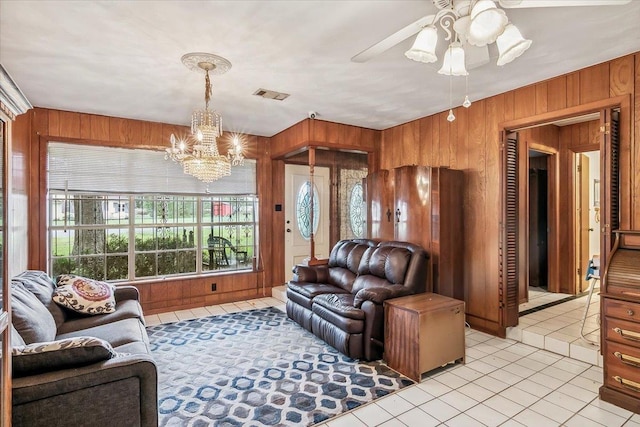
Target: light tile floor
pixel 504 381
pixel 557 328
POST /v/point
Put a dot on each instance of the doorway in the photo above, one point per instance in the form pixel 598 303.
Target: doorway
pixel 587 213
pixel 304 218
pixel 538 220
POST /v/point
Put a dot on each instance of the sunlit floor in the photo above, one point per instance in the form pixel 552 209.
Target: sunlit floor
pixel 543 374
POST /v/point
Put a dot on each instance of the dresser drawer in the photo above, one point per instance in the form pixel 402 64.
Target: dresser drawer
pixel 623 368
pixel 621 331
pixel 622 310
pixel 624 291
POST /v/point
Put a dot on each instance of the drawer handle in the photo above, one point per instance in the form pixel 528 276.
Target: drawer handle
pixel 627 360
pixel 633 336
pixel 631 385
pixel 630 312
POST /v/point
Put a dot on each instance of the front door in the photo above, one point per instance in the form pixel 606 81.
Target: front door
pixel 298 209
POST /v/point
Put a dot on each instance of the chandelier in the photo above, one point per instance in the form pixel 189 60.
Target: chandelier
pixel 475 23
pixel 198 154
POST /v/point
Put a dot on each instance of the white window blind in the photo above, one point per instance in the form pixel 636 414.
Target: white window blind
pixel 91 168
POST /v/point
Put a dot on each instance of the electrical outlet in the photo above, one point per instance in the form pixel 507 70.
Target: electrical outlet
pixel 214 286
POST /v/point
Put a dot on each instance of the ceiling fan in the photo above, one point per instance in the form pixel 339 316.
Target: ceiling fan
pixel 475 24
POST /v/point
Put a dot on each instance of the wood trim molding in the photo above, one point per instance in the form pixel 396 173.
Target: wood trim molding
pixel 547 118
pixel 12 100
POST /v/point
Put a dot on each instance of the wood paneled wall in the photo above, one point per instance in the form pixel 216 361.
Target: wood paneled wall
pixel 319 133
pixel 41 125
pixel 472 143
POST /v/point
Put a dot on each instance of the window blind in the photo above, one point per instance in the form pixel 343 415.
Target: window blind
pixel 90 168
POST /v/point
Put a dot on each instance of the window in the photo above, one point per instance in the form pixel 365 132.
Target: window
pixel 303 210
pixel 356 211
pixel 155 226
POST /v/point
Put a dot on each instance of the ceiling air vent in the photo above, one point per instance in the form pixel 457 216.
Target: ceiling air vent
pixel 271 94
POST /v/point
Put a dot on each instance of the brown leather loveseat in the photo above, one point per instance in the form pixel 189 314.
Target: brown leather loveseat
pixel 342 301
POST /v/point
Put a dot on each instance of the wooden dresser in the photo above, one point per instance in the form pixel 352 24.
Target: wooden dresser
pixel 620 332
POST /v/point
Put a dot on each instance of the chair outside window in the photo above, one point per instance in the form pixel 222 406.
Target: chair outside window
pixel 217 247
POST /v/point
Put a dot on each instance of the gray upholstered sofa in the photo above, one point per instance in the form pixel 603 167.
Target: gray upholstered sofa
pixel 96 370
pixel 342 301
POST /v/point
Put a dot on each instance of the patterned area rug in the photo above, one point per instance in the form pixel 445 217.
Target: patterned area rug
pixel 257 368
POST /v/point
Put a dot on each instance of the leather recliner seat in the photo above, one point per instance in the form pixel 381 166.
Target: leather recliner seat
pixel 342 301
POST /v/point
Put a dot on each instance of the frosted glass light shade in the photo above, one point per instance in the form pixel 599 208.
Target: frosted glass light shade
pixel 424 47
pixel 487 23
pixel 511 45
pixel 453 62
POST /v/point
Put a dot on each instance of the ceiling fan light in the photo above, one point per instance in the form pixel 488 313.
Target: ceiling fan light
pixel 453 62
pixel 487 23
pixel 511 45
pixel 424 47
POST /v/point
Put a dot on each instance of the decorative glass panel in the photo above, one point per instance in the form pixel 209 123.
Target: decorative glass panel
pixel 303 209
pixel 356 212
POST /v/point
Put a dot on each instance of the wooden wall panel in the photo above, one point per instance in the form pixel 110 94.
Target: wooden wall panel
pixel 99 127
pixel 426 142
pixel 525 102
pixel 486 285
pixel 475 194
pixel 557 93
pixel 573 89
pixel 320 133
pixel 444 140
pixel 594 83
pixel 542 98
pixel 411 138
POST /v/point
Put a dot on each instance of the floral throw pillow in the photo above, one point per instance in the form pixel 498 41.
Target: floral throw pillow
pixel 83 295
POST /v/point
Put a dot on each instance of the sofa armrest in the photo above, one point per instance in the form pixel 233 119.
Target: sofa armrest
pixel 127 381
pixel 124 292
pixel 379 294
pixel 311 274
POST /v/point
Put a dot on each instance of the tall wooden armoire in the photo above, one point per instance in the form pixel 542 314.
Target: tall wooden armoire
pixel 422 205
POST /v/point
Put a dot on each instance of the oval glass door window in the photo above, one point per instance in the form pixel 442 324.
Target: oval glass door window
pixel 356 214
pixel 303 210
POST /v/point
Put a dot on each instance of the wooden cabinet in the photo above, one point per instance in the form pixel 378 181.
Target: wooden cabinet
pixel 423 332
pixel 422 205
pixel 620 332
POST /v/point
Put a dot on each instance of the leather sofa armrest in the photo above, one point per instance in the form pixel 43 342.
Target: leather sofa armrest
pixel 379 294
pixel 311 274
pixel 124 292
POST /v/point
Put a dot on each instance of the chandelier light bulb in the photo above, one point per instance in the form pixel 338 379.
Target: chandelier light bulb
pixel 453 62
pixel 487 23
pixel 451 117
pixel 511 44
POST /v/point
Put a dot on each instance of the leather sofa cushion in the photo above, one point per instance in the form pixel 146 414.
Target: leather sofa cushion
pixel 310 290
pixel 387 262
pixel 340 304
pixel 342 277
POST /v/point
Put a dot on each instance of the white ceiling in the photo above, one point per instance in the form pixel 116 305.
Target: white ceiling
pixel 123 58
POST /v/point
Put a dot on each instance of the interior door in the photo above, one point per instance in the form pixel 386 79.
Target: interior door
pixel 581 221
pixel 610 181
pixel 298 227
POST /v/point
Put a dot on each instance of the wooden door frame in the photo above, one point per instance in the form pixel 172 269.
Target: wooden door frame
pixel 623 102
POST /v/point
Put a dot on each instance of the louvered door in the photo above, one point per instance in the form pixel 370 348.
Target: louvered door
pixel 610 188
pixel 508 249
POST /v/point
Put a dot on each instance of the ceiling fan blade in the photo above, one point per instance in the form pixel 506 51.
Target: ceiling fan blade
pixel 508 4
pixel 393 39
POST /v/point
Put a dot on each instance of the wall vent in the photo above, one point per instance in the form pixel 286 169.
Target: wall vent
pixel 271 94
